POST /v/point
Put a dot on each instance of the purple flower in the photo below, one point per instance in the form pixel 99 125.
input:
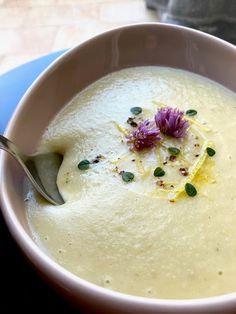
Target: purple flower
pixel 171 122
pixel 145 136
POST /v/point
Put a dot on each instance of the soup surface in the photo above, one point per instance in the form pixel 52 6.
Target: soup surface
pixel 124 228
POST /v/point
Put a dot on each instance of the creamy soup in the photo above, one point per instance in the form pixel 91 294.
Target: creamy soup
pixel 154 219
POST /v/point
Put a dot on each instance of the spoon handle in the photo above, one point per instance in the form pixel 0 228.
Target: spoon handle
pixel 25 162
pixel 9 147
pixel 5 144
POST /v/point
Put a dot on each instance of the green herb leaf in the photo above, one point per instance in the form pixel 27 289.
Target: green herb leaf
pixel 191 112
pixel 159 172
pixel 84 164
pixel 210 151
pixel 127 176
pixel 136 110
pixel 190 190
pixel 174 151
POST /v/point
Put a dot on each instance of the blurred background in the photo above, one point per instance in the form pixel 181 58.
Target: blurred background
pixel 33 28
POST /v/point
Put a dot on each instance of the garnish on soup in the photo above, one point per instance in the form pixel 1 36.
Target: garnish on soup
pixel 210 151
pixel 190 190
pixel 171 122
pixel 147 135
pixel 136 110
pixel 84 164
pixel 191 112
pixel 174 151
pixel 127 176
pixel 159 172
pixel 132 122
pixel 178 143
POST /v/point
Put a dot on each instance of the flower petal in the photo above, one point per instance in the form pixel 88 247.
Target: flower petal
pixel 171 122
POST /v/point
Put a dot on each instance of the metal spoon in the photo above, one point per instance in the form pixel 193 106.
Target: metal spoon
pixel 41 169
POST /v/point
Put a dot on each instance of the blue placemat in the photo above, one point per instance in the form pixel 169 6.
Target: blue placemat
pixel 14 84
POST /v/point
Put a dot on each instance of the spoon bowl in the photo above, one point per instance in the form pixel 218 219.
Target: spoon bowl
pixel 41 169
